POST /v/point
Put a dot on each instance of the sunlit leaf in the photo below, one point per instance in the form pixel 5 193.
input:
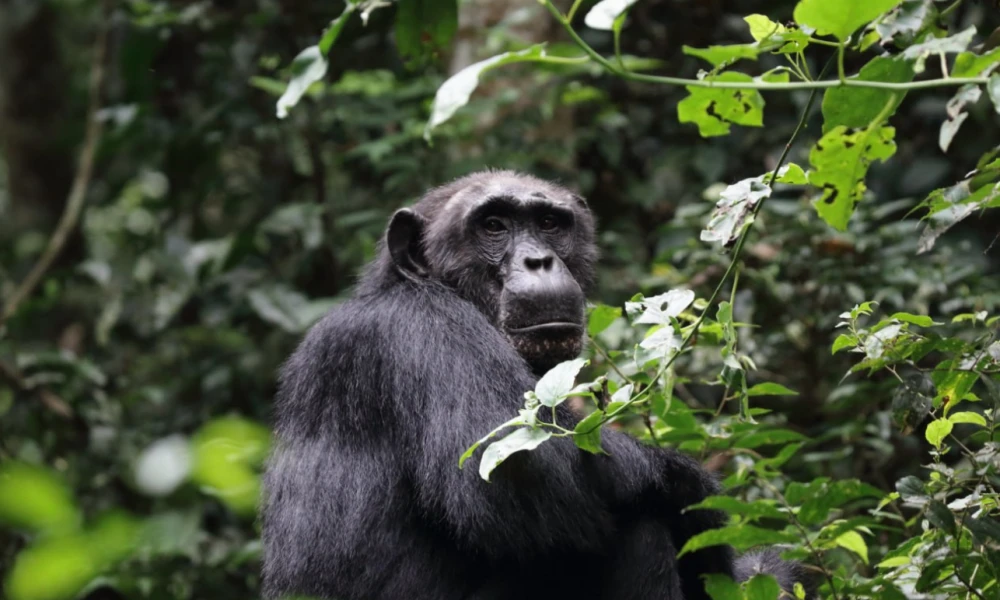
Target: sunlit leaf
pixel 771 389
pixel 856 107
pixel 921 320
pixel 761 27
pixel 905 22
pixel 604 13
pixel 714 109
pixel 35 499
pixel 455 92
pixel 740 537
pixel 967 417
pixel 840 162
pixel 970 64
pixel 721 56
pixel 853 541
pixel 558 381
pixel 938 430
pixel 227 454
pixel 841 18
pixel 948 206
pixel 525 438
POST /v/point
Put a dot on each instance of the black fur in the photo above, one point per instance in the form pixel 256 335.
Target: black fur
pixel 364 498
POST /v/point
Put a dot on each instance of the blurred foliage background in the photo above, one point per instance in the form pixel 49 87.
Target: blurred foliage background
pixel 140 370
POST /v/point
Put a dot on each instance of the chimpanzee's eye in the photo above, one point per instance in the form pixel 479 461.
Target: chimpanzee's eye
pixel 549 223
pixel 494 225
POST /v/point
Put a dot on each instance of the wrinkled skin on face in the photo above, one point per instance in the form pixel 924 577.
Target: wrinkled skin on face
pixel 519 248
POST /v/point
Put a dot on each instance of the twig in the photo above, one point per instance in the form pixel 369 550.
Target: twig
pixel 81 182
pixel 47 397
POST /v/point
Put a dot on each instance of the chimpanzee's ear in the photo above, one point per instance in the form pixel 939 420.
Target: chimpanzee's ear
pixel 404 239
pixel 580 201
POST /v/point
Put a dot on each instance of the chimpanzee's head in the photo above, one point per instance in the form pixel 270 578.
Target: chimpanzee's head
pixel 521 249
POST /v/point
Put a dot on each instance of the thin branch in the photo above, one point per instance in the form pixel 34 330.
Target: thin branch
pixel 78 191
pixel 752 85
pixel 47 397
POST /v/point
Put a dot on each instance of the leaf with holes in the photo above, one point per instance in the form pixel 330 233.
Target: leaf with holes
pixel 919 53
pixel 840 162
pixel 713 110
pixel 967 94
pixel 733 211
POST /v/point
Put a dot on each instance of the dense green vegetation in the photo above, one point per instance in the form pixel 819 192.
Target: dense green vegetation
pixel 798 284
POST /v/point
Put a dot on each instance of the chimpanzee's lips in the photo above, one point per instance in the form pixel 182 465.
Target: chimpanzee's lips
pixel 552 327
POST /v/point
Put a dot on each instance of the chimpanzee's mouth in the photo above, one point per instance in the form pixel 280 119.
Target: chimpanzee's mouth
pixel 552 327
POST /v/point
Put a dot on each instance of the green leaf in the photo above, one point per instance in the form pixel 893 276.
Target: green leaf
pixel 840 162
pixel 912 401
pixel 934 45
pixel 758 509
pixel 35 499
pixel 921 320
pixel 425 27
pixel 526 417
pixel 309 67
pixel 792 174
pixel 721 56
pixel 722 587
pixel 558 381
pixel 985 529
pixel 941 516
pixel 714 109
pixel 852 540
pixel 761 27
pixel 967 94
pixel 588 433
pixel 841 18
pixel 948 206
pixel 771 389
pixel 856 107
pixel 228 452
pixel 816 508
pixel 970 64
pixel 762 587
pixel 765 437
pixel 740 537
pixel 937 431
pixel 603 14
pixel 287 308
pixel 907 21
pixel 733 211
pixel 601 317
pixel 332 31
pixel 843 340
pixel 455 92
pixel 525 438
pixel 967 417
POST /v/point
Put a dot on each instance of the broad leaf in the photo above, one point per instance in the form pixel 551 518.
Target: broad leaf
pixel 762 28
pixel 948 206
pixel 722 587
pixel 527 417
pixel 853 541
pixel 840 18
pixel 588 433
pixel 525 438
pixel 762 586
pixel 658 310
pixel 714 109
pixel 856 107
pixel 558 381
pixel 937 431
pixel 35 499
pixel 967 94
pixel 455 92
pixel 771 389
pixel 912 401
pixel 970 64
pixel 840 162
pixel 967 417
pixel 601 317
pixel 739 537
pixel 921 320
pixel 906 22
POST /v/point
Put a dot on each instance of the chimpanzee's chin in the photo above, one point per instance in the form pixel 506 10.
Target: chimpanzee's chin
pixel 543 350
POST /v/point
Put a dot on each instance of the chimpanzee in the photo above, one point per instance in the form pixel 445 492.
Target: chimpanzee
pixel 476 291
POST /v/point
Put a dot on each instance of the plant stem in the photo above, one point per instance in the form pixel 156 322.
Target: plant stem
pixel 840 63
pixel 752 85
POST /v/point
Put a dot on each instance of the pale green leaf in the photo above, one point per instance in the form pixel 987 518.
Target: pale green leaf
pixel 309 67
pixel 499 451
pixel 721 56
pixel 840 18
pixel 762 27
pixel 714 109
pixel 792 174
pixel 840 162
pixel 601 317
pixel 937 431
pixel 558 381
pixel 967 417
pixel 455 92
pixel 970 64
pixel 852 540
pixel 921 320
pixel 771 389
pixel 843 341
pixel 527 417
